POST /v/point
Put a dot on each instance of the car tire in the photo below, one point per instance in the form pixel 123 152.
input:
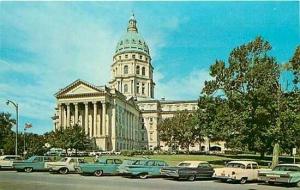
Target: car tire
pixel 143 175
pixel 191 178
pixel 28 170
pixel 63 170
pixel 243 180
pixel 98 173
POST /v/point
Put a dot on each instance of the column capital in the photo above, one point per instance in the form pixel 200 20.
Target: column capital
pixel 67 104
pixel 94 102
pixel 86 103
pixel 75 103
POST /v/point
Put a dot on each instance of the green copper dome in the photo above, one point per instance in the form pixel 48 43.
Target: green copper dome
pixel 132 41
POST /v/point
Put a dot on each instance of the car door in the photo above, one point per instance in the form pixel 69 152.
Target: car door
pixel 150 167
pixel 117 163
pixel 38 163
pixel 204 170
pixel 158 166
pixel 109 166
pixel 72 164
pixel 254 171
pixel 249 172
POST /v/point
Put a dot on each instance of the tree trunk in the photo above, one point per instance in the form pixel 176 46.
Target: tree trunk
pixel 275 158
pixel 262 154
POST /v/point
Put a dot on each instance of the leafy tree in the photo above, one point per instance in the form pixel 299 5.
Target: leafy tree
pixel 7 136
pixel 179 130
pixel 249 83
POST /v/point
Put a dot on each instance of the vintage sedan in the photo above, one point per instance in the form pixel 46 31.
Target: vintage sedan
pixel 144 168
pixel 7 161
pixel 189 170
pixel 283 173
pixel 101 166
pixel 34 163
pixel 240 171
pixel 65 165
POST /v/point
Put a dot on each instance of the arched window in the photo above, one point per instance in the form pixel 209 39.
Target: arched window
pixel 125 88
pixel 138 70
pixel 126 69
pixel 143 71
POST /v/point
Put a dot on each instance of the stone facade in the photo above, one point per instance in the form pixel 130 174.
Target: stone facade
pixel 125 115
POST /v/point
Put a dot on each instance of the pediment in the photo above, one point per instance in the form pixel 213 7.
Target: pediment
pixel 81 89
pixel 78 88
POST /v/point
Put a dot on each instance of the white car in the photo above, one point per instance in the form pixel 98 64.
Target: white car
pixel 241 171
pixel 65 165
pixel 6 161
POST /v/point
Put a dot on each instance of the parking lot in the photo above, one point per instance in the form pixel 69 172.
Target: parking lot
pixel 12 180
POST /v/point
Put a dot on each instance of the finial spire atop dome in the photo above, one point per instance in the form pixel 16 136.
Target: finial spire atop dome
pixel 132 24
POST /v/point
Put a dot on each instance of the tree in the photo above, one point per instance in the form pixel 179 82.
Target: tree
pixel 249 83
pixel 7 136
pixel 179 130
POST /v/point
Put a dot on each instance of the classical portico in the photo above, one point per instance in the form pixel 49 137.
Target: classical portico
pixel 94 109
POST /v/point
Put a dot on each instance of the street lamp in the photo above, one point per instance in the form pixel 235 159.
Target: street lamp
pixel 17 124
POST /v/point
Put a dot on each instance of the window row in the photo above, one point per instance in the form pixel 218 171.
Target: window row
pixel 133 56
pixel 137 70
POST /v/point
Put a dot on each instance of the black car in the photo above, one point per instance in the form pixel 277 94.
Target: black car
pixel 189 170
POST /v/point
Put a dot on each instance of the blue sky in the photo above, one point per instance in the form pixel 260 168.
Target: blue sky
pixel 46 46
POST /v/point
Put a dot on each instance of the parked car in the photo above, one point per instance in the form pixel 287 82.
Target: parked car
pixel 6 161
pixel 127 162
pixel 283 173
pixel 189 170
pixel 101 166
pixel 65 165
pixel 241 171
pixel 144 168
pixel 34 163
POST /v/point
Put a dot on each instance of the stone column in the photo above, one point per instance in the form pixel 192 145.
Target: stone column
pixel 64 112
pixel 86 127
pixel 95 120
pixel 68 115
pixel 104 118
pixel 76 113
pixel 60 116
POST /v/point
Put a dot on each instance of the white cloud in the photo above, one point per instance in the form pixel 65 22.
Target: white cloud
pixel 188 87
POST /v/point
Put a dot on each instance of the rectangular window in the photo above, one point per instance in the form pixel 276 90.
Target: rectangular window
pixel 141 57
pixel 133 56
pixel 126 56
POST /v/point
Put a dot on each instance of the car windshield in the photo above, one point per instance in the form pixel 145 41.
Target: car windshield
pixel 287 168
pixel 63 159
pixel 31 158
pixel 235 165
pixel 140 162
pixel 183 164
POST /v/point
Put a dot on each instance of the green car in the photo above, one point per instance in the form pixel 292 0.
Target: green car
pixel 283 173
pixel 34 163
pixel 101 166
pixel 144 168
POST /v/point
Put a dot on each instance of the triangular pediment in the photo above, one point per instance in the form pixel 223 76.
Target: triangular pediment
pixel 78 88
pixel 81 89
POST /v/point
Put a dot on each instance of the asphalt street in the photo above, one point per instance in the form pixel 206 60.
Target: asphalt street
pixel 11 180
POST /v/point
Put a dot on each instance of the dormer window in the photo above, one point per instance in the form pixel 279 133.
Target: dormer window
pixel 133 56
pixel 141 57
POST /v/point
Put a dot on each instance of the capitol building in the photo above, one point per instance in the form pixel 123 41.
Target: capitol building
pixel 124 114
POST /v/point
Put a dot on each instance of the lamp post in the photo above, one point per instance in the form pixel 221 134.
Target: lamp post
pixel 17 122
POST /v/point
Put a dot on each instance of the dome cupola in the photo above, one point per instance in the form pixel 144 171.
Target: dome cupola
pixel 132 41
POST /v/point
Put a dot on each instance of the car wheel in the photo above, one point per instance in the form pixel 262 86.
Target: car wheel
pixel 98 173
pixel 28 170
pixel 63 170
pixel 243 180
pixel 191 178
pixel 143 176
